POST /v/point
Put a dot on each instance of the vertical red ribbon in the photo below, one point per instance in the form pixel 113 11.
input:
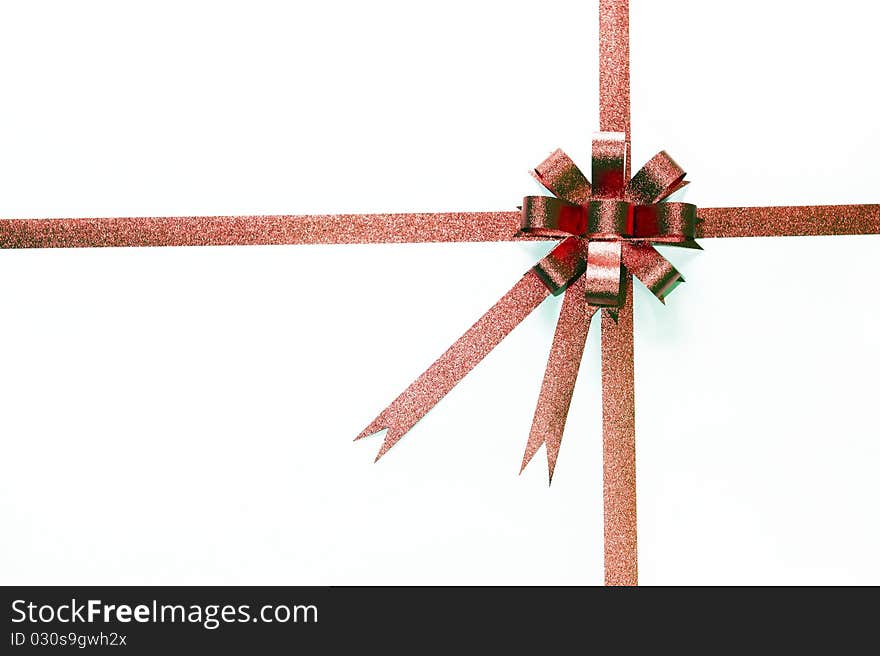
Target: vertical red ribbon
pixel 618 380
pixel 619 444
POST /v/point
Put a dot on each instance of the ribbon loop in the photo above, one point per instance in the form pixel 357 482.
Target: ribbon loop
pixel 609 164
pixel 654 270
pixel 562 177
pixel 562 265
pixel 656 180
pixel 666 222
pixel 604 274
pixel 546 216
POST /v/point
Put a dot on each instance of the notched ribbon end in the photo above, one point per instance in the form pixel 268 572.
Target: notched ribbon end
pixel 532 448
pixel 392 437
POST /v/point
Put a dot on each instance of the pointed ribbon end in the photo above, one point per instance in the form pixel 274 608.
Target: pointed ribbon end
pixel 391 438
pixel 377 426
pixel 531 449
pixel 551 467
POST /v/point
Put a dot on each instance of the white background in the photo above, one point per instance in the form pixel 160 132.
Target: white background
pixel 185 416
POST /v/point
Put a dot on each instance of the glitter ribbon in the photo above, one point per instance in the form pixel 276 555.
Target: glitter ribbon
pixel 606 228
pixel 607 232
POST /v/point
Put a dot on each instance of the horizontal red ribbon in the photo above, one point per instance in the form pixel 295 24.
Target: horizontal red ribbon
pixel 261 230
pixel 771 221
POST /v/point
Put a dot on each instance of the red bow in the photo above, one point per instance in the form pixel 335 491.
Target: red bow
pixel 606 228
pixel 611 224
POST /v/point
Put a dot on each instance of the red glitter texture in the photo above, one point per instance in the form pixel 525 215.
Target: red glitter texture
pixel 417 399
pixel 560 376
pixel 635 209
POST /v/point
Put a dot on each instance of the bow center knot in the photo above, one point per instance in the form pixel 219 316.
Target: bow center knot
pixel 609 218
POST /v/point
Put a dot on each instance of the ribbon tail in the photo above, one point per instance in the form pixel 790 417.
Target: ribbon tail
pixel 791 221
pixel 261 230
pixel 560 376
pixel 415 402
